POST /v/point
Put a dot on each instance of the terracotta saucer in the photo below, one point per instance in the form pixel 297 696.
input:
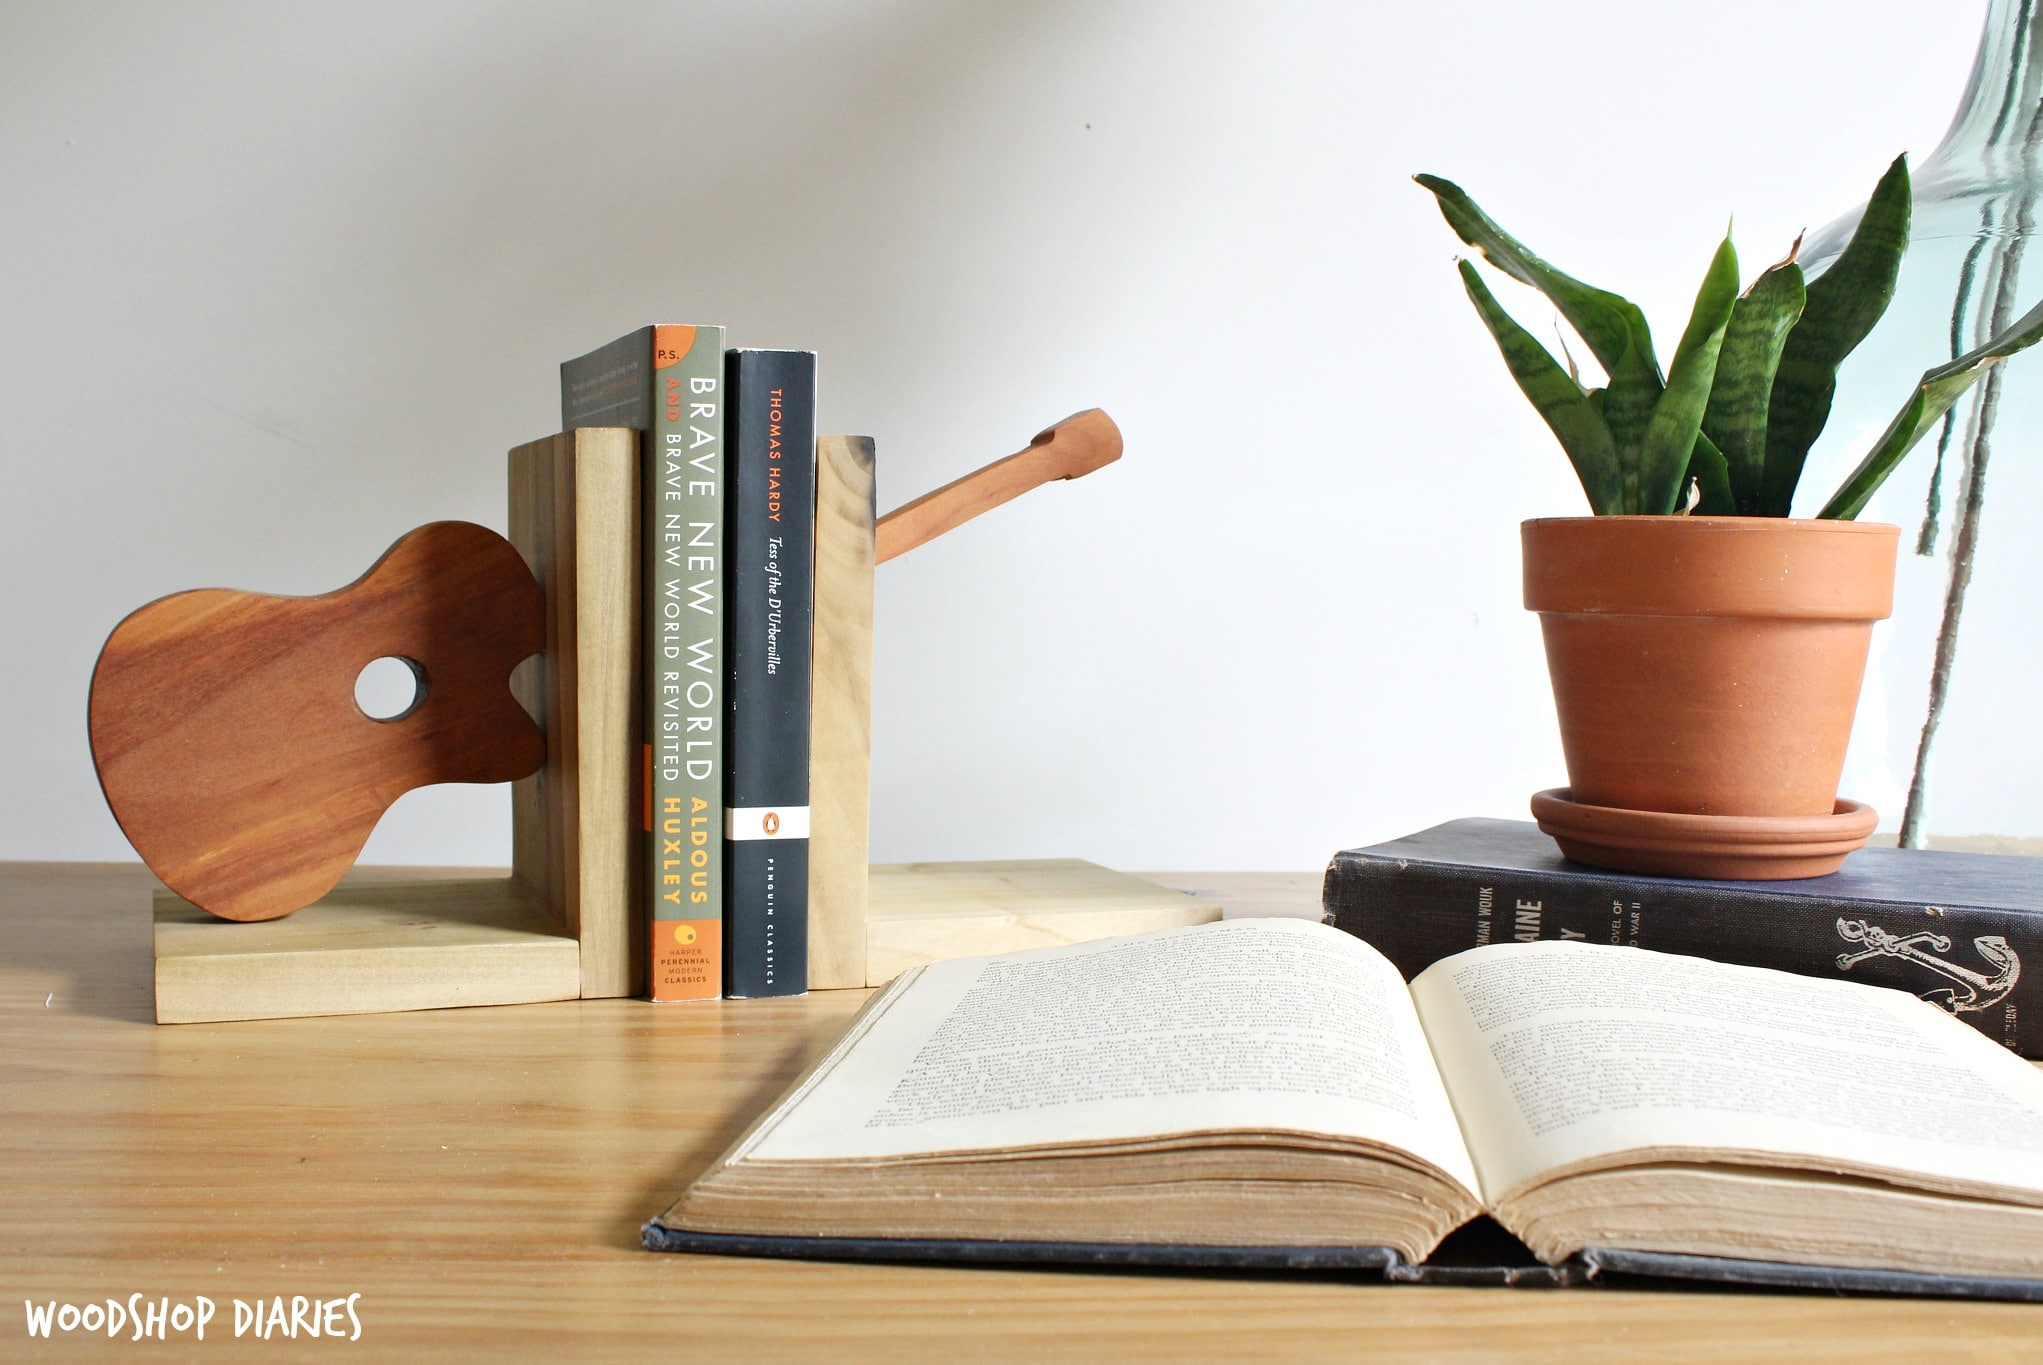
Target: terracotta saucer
pixel 1762 848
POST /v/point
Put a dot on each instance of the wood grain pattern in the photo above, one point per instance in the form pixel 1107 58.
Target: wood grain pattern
pixel 841 707
pixel 478 1177
pixel 575 825
pixel 1248 895
pixel 379 941
pixel 927 912
pixel 1073 447
pixel 227 738
pixel 562 925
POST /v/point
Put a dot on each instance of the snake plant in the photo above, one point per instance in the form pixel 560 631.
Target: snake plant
pixel 1725 429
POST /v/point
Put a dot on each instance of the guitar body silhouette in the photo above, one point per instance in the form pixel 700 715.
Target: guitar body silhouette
pixel 227 736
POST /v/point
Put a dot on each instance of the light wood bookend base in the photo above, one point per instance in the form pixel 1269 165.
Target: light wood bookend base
pixel 418 938
pixel 927 912
pixel 384 939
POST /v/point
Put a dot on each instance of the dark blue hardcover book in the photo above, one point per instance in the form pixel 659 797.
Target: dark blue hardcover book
pixel 1953 928
pixel 770 645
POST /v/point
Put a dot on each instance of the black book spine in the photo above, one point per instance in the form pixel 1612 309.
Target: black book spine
pixel 772 658
pixel 1966 959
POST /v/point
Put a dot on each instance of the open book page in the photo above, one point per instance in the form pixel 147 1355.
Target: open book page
pixel 1558 1054
pixel 1236 1025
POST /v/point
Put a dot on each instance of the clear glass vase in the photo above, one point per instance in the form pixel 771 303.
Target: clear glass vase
pixel 1970 723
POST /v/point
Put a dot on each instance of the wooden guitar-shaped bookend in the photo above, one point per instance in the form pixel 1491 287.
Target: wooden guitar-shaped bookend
pixel 227 736
pixel 849 542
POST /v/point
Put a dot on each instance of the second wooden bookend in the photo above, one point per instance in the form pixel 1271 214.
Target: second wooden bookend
pixel 867 924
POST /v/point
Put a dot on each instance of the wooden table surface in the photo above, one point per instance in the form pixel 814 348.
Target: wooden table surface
pixel 478 1177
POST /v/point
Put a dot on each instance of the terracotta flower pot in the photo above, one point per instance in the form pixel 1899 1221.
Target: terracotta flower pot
pixel 1706 669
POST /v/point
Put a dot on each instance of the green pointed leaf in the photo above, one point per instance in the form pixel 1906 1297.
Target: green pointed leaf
pixel 1606 321
pixel 1677 417
pixel 1939 389
pixel 1706 467
pixel 1628 402
pixel 1736 418
pixel 1558 399
pixel 1843 304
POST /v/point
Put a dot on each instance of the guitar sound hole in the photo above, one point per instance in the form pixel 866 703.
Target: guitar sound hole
pixel 390 688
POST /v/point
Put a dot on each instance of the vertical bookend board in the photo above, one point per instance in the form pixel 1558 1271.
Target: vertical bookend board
pixel 574 827
pixel 840 754
pixel 560 927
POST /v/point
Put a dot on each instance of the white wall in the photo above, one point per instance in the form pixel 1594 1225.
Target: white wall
pixel 282 282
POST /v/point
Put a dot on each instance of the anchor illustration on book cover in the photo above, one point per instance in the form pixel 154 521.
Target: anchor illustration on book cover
pixel 1969 990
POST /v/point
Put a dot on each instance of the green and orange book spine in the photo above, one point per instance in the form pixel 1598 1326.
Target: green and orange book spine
pixel 668 382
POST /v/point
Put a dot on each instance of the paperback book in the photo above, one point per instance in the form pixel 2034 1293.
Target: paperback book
pixel 667 381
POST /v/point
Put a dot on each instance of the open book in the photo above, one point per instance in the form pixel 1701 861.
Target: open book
pixel 1275 1084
